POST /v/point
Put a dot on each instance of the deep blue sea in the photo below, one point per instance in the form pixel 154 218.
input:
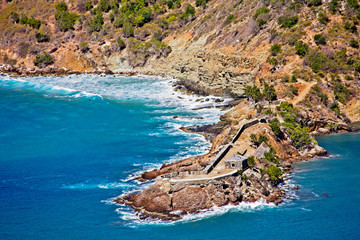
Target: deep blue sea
pixel 69 145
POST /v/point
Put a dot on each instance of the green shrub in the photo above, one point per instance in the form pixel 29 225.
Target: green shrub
pixel 273 61
pixel 84 47
pixel 230 18
pixel 323 19
pixel 294 90
pixel 250 161
pixel 274 172
pixel 275 49
pixel 42 37
pixel 312 3
pixel 260 22
pixel 287 21
pixel 43 59
pixel 202 3
pixel 262 10
pixel 88 5
pixel 275 126
pixel 354 43
pixel 253 92
pixel 262 139
pixel 353 3
pixel 335 107
pixel 96 23
pixel 65 20
pixel 301 48
pixel 350 27
pixel 269 92
pixel 121 44
pixel 334 6
pixel 128 30
pixel 271 157
pixel 319 39
pixel 104 5
pixel 341 92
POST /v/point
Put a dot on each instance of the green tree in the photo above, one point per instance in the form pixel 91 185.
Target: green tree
pixel 269 92
pixel 275 49
pixel 253 92
pixel 319 39
pixel 43 59
pixel 301 48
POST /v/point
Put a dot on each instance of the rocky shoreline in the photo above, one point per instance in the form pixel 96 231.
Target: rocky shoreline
pixel 167 199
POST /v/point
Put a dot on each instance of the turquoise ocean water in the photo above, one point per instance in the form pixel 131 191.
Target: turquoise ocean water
pixel 69 145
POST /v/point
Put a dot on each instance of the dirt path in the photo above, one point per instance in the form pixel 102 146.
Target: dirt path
pixel 304 92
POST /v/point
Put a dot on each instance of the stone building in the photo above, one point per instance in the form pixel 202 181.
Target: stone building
pixel 261 150
pixel 236 161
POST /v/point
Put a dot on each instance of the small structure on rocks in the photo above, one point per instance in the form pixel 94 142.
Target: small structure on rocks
pixel 236 161
pixel 261 150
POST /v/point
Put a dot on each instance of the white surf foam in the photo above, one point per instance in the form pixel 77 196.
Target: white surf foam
pixel 133 218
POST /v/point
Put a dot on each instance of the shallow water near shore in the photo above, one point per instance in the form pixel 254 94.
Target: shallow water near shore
pixel 68 145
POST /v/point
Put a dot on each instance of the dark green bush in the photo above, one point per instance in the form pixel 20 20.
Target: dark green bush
pixel 84 47
pixel 334 6
pixel 189 11
pixel 269 92
pixel 128 30
pixel 294 90
pixel 301 48
pixel 319 39
pixel 323 18
pixel 96 23
pixel 273 61
pixel 262 10
pixel 274 172
pixel 201 3
pixel 42 37
pixel 353 3
pixel 341 92
pixel 260 22
pixel 65 20
pixel 121 44
pixel 275 49
pixel 14 17
pixel 275 126
pixel 253 92
pixel 271 157
pixel 32 22
pixel 104 5
pixel 287 21
pixel 88 5
pixel 354 43
pixel 312 3
pixel 230 18
pixel 335 107
pixel 251 161
pixel 350 27
pixel 43 59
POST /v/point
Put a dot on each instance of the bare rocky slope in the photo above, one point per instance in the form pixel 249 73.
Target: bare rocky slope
pixel 294 63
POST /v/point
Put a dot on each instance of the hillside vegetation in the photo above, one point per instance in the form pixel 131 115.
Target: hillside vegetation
pixel 307 49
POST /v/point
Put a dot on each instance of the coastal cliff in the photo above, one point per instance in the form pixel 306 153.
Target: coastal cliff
pixel 294 64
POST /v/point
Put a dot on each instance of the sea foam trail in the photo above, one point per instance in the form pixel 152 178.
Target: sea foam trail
pixel 46 89
pixel 133 220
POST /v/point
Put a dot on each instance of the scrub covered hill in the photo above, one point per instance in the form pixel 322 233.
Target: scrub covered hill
pixel 307 49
